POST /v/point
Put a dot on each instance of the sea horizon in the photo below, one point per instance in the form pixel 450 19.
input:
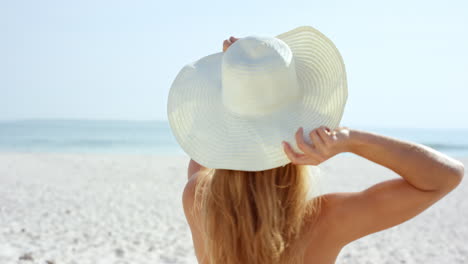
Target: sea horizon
pixel 155 136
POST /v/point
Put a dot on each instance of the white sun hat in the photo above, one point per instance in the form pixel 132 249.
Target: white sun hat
pixel 232 109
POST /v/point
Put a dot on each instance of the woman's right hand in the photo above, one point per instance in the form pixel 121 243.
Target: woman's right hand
pixel 326 144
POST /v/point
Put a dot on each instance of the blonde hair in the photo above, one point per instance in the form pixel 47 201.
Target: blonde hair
pixel 255 217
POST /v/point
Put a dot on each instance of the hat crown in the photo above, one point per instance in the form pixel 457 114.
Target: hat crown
pixel 258 76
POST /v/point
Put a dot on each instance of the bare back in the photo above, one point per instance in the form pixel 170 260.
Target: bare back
pixel 321 247
pixel 347 216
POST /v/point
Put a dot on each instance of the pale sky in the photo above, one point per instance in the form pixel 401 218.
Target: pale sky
pixel 406 61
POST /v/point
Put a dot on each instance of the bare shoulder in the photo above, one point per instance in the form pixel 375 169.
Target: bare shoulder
pixel 352 215
pixel 188 195
pixel 190 214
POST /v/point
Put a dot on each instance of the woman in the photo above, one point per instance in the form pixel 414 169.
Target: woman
pixel 263 216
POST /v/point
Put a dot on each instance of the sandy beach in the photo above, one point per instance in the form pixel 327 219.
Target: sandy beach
pixel 96 208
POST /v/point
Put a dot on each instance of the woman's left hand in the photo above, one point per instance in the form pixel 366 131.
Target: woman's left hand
pixel 228 42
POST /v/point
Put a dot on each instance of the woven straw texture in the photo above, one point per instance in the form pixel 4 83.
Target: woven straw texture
pixel 217 138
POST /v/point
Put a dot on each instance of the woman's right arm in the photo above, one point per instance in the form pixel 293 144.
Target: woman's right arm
pixel 423 167
pixel 426 176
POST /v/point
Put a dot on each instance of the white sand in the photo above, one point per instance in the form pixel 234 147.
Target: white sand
pixel 77 208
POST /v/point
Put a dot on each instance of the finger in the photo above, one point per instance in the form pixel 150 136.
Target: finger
pixel 293 156
pixel 318 142
pixel 301 144
pixel 310 150
pixel 226 44
pixel 324 135
pixel 297 158
pixel 326 129
pixel 233 39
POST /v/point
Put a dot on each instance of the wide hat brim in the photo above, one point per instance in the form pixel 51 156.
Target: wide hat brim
pixel 216 138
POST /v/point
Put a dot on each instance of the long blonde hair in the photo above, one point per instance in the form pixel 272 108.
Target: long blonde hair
pixel 255 217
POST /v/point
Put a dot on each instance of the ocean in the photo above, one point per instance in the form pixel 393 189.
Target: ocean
pixel 155 137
